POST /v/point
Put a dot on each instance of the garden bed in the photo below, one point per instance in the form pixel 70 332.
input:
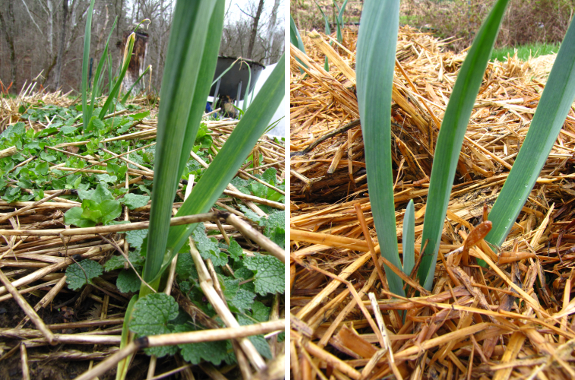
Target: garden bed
pixel 508 318
pixel 68 197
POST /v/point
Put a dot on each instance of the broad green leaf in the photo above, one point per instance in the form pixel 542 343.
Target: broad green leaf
pixel 117 262
pixel 134 201
pixel 227 162
pixel 206 73
pixel 451 137
pixel 189 33
pixel 235 249
pixel 552 110
pixel 82 273
pixel 258 341
pixel 374 73
pixel 74 216
pixel 136 238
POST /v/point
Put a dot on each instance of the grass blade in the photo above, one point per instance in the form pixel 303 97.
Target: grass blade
pixel 230 158
pixel 548 120
pixel 97 76
pixel 87 109
pixel 451 137
pixel 296 41
pixel 374 72
pixel 325 19
pixel 186 47
pixel 408 238
pixel 116 89
pixel 124 365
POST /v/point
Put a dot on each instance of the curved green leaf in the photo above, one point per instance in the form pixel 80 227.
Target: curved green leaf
pixel 548 120
pixel 375 64
pixel 451 137
pixel 408 238
pixel 185 54
pixel 230 158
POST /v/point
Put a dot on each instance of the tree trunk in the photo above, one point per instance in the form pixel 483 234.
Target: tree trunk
pixel 60 59
pixel 254 31
pixel 8 30
pixel 272 27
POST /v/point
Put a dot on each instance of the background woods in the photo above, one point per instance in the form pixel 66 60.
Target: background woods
pixel 43 39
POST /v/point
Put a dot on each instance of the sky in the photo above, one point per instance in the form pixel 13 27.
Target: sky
pixel 280 130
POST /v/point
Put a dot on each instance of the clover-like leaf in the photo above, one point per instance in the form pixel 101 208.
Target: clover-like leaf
pixel 82 273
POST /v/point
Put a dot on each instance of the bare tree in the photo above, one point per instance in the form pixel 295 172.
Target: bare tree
pixel 254 32
pixel 7 24
pixel 60 58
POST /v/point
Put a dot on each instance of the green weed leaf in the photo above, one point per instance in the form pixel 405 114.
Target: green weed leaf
pixel 128 281
pixel 152 313
pixel 82 273
pixel 208 248
pixel 269 274
pixel 134 201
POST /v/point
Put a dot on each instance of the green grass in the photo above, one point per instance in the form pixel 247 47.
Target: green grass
pixel 524 52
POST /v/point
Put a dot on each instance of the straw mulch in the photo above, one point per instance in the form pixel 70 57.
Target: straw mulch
pixel 36 248
pixel 508 319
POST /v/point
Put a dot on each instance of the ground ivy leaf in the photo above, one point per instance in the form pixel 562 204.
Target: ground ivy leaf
pixel 81 273
pixel 161 351
pixel 214 352
pixel 275 228
pixel 208 248
pixel 270 176
pixel 136 238
pixel 260 312
pixel 117 262
pixel 269 274
pixel 128 281
pixel 235 249
pixel 230 287
pixel 243 300
pixel 185 267
pixel 134 201
pixel 152 313
pixel 259 342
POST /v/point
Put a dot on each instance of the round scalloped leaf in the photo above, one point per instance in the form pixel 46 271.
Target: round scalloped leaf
pixel 81 273
pixel 128 281
pixel 152 313
pixel 269 274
